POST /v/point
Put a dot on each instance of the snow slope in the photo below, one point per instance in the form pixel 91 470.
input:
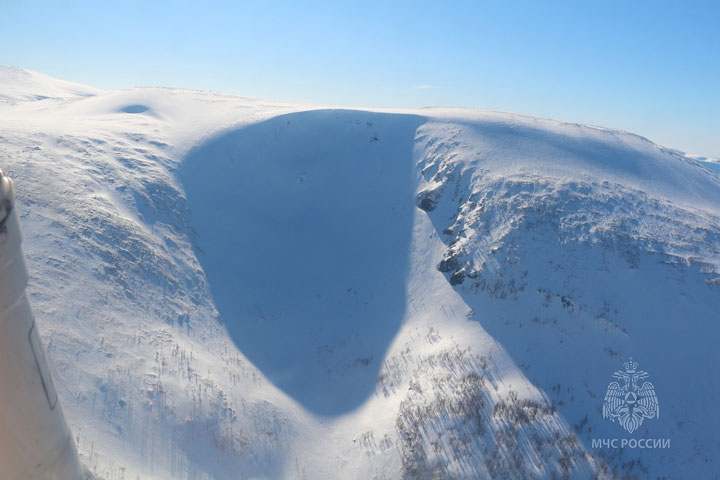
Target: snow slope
pixel 237 288
pixel 18 84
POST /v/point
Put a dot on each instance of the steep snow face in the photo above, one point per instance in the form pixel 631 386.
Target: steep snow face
pixel 234 288
pixel 575 269
pixel 590 185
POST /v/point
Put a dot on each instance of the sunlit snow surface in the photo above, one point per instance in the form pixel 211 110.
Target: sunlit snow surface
pixel 233 288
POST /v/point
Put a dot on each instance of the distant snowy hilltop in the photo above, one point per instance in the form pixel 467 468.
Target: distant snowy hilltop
pixel 234 288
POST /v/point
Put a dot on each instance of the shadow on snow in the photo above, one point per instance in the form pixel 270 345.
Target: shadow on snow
pixel 303 228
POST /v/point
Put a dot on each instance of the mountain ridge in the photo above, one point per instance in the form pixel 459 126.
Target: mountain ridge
pixel 531 258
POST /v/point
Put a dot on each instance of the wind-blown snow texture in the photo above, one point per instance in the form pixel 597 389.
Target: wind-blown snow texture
pixel 232 288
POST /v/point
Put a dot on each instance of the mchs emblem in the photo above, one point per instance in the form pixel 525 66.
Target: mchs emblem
pixel 627 401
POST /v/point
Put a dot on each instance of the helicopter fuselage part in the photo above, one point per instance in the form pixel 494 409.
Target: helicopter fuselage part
pixel 35 441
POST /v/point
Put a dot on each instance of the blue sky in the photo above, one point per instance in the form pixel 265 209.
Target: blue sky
pixel 650 67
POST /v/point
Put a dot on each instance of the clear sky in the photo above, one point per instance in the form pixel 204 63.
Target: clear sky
pixel 651 67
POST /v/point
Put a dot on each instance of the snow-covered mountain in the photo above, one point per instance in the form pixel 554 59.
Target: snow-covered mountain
pixel 19 84
pixel 236 288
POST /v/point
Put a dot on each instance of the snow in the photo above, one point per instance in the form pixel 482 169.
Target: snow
pixel 17 84
pixel 240 288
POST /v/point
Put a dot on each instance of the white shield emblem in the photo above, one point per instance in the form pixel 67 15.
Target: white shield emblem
pixel 630 403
